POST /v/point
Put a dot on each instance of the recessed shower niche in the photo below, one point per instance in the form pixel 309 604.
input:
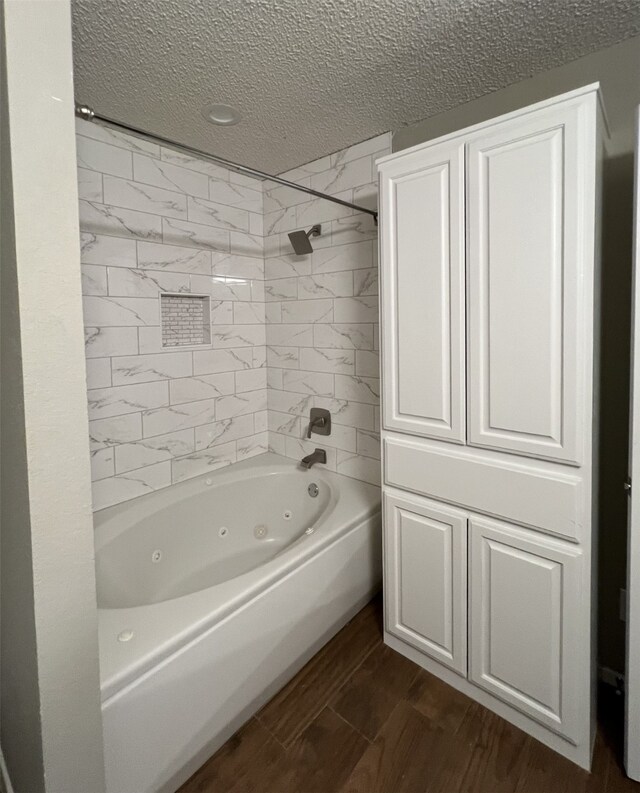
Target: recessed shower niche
pixel 185 320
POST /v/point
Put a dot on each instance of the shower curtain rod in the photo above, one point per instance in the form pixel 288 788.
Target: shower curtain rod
pixel 87 114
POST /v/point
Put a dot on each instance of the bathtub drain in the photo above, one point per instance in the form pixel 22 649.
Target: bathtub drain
pixel 156 556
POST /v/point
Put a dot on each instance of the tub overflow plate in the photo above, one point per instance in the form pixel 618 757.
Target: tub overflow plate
pixel 313 490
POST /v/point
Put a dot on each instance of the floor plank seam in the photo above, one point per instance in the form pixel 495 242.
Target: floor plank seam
pixel 272 734
pixel 353 672
pixel 349 724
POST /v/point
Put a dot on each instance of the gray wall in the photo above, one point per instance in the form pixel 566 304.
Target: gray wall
pixel 20 699
pixel 50 720
pixel 618 71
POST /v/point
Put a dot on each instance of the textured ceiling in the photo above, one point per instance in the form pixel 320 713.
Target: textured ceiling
pixel 313 76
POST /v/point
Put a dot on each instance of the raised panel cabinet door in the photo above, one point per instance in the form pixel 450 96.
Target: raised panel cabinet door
pixel 422 292
pixel 525 622
pixel 426 577
pixel 530 250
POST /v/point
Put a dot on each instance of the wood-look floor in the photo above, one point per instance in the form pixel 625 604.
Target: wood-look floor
pixel 360 718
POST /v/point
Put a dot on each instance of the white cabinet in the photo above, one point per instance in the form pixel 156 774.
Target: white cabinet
pixel 524 610
pixel 425 572
pixel 526 237
pixel 489 324
pixel 423 311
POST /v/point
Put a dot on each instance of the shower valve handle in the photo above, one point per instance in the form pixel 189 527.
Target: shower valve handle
pixel 319 422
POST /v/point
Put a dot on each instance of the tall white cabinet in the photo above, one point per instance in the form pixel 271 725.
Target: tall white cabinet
pixel 489 312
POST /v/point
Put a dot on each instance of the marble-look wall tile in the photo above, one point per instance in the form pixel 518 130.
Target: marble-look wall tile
pixel 369 443
pixel 173 258
pixel 94 280
pixel 120 311
pixel 223 431
pixel 344 175
pixel 123 487
pixel 213 361
pixel 329 300
pixel 353 414
pixel 236 195
pixel 98 372
pixel 90 185
pixel 344 336
pixel 105 402
pixel 236 266
pixel 203 462
pixel 308 311
pixel 148 368
pixel 102 463
pixel 334 285
pixel 288 332
pixel 126 282
pixel 206 386
pixel 102 157
pixel 239 404
pixel 178 417
pixel 219 215
pixel 144 198
pixel 99 218
pixel 358 467
pixel 252 446
pixel 325 360
pixel 197 235
pixel 129 456
pixel 358 389
pixel 156 222
pixel 115 430
pixel 365 282
pixel 104 342
pixel 106 250
pixel 342 257
pixel 122 140
pixel 152 171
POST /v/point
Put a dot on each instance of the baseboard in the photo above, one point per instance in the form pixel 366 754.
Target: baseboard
pixel 5 781
pixel 611 678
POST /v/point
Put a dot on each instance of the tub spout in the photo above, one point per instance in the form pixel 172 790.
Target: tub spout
pixel 317 456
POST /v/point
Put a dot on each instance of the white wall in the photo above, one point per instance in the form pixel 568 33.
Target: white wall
pixel 51 730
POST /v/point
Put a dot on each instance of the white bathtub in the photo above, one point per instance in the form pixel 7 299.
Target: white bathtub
pixel 211 595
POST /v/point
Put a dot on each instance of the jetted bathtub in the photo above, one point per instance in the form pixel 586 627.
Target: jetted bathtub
pixel 211 595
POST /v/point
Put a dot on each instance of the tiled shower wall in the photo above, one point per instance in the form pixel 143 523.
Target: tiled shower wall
pixel 153 221
pixel 322 312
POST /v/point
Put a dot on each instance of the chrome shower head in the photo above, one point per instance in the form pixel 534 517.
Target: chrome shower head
pixel 300 239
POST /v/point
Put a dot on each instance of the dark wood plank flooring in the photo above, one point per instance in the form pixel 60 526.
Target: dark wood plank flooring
pixel 360 718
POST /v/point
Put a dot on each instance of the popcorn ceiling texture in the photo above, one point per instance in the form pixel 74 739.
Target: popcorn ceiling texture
pixel 313 78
